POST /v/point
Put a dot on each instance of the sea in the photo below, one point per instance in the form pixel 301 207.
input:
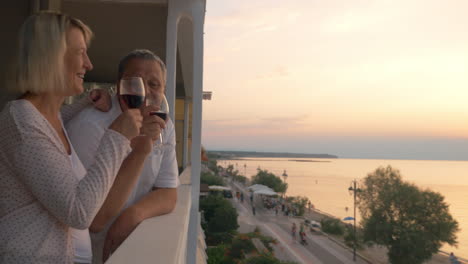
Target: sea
pixel 326 182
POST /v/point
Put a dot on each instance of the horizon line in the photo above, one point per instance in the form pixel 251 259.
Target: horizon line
pixel 337 156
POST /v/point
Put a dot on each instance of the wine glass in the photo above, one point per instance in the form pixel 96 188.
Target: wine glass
pixel 132 91
pixel 163 111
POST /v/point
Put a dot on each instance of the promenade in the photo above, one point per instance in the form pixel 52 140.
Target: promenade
pixel 320 249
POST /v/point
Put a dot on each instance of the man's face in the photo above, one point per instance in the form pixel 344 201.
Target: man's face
pixel 152 75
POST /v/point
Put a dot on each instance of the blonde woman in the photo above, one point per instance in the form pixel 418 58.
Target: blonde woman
pixel 46 195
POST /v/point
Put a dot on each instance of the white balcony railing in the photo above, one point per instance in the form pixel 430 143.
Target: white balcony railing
pixel 162 239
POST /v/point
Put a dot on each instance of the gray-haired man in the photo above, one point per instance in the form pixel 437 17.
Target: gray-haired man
pixel 144 189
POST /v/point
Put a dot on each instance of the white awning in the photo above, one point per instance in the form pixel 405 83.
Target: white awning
pixel 257 187
pixel 268 192
pixel 217 187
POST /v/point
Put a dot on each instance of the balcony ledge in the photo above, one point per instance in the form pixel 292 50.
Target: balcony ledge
pixel 161 239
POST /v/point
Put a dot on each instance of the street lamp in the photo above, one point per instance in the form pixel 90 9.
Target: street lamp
pixel 285 176
pixel 353 188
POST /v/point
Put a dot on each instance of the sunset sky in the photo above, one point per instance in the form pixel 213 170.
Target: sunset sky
pixel 357 79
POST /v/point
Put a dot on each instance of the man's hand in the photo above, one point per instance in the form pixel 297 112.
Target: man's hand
pixel 101 99
pixel 152 124
pixel 119 231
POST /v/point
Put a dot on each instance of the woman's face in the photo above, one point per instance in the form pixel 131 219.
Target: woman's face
pixel 76 61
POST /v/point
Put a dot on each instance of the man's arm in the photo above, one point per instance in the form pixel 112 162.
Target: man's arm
pixel 128 173
pixel 158 202
pixel 98 98
pixel 161 200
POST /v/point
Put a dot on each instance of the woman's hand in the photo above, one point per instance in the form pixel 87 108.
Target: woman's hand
pixel 142 144
pixel 128 123
pixel 101 99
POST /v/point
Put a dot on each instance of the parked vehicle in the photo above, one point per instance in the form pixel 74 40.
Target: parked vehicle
pixel 227 194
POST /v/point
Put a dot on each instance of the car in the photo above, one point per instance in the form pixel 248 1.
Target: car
pixel 227 194
pixel 312 224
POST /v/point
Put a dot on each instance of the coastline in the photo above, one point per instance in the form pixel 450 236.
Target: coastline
pixel 373 254
pixel 310 160
pixel 330 192
pixel 266 159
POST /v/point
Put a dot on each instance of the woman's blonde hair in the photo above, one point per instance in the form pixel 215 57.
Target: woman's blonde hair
pixel 42 45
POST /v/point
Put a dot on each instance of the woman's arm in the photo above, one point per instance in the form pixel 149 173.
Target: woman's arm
pixel 124 183
pixel 44 168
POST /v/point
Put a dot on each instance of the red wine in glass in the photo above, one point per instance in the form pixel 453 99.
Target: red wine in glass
pixel 132 91
pixel 133 101
pixel 161 114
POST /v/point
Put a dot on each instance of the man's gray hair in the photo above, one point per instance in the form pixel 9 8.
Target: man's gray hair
pixel 143 54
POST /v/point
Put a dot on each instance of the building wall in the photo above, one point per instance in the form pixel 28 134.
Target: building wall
pixel 12 16
pixel 119 28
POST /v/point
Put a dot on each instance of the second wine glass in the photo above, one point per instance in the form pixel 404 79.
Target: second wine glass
pixel 163 111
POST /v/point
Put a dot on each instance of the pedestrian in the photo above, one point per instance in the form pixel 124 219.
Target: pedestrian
pixel 453 259
pixel 302 236
pixel 242 197
pixel 293 232
pixel 253 209
pixel 276 210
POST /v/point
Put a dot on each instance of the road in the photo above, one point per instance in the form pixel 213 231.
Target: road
pixel 320 249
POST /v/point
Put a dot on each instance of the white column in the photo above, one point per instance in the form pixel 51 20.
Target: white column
pixel 198 14
pixel 171 61
pixel 185 156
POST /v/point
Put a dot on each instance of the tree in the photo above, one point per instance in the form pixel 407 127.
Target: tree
pixel 241 245
pixel 224 219
pixel 218 213
pixel 298 202
pixel 350 239
pixel 240 178
pixel 216 254
pixel 412 223
pixel 271 180
pixel 219 219
pixel 266 259
pixel 211 179
pixel 213 166
pixel 230 169
pixel 332 226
